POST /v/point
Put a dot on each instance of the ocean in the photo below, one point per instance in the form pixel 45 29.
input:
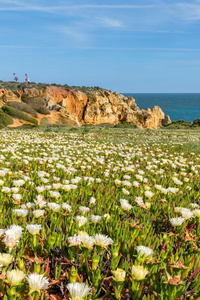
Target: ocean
pixel 177 106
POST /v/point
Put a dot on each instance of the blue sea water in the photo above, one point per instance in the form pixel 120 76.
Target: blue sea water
pixel 177 106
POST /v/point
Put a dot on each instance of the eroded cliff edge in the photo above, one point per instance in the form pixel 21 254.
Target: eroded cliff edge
pixel 73 106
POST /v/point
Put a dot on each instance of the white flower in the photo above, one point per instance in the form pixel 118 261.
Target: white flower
pixel 37 282
pixel 187 214
pixel 5 259
pixel 144 251
pixel 125 204
pixel 125 192
pixel 6 189
pixel 117 181
pixel 78 291
pixel 119 275
pixel 80 220
pixel 74 240
pixel 41 203
pixel 87 241
pixel 149 194
pixel 66 206
pixel 54 194
pixel 92 200
pixel 102 240
pixel 176 181
pixel 12 235
pixel 95 219
pixel 139 272
pixel 15 276
pixel 30 205
pixel 84 209
pixel 20 212
pixel 196 212
pixel 19 182
pixel 54 206
pixel 136 184
pixel 17 197
pixel 176 221
pixel 40 189
pixel 38 213
pixel 14 190
pixel 34 229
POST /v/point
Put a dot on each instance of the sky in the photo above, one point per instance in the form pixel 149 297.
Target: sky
pixel 129 46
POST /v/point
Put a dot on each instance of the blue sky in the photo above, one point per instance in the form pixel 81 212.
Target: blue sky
pixel 125 46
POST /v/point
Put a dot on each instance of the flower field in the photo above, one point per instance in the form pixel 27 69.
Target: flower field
pixel 112 214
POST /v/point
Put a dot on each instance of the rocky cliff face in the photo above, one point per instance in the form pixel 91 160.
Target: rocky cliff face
pixel 94 106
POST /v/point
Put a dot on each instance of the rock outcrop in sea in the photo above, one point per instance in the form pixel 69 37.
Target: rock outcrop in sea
pixel 63 105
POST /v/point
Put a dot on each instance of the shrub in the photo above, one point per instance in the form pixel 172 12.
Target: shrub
pixel 5 119
pixel 125 125
pixel 37 104
pixel 11 111
pixel 180 124
pixel 23 107
pixel 196 123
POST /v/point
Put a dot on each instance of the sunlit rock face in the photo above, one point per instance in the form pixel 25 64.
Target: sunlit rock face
pixel 100 106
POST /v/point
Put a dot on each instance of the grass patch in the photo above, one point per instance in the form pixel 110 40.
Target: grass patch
pixel 37 104
pixel 11 111
pixel 22 107
pixel 5 119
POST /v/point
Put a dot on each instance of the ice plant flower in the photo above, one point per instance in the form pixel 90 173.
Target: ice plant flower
pixel 139 272
pixel 5 259
pixel 34 229
pixel 15 276
pixel 84 209
pixel 92 200
pixel 102 240
pixel 20 212
pixel 144 251
pixel 78 291
pixel 119 275
pixel 12 235
pixel 54 206
pixel 66 206
pixel 80 220
pixel 95 219
pixel 74 240
pixel 38 213
pixel 196 212
pixel 176 221
pixel 125 204
pixel 87 241
pixel 37 282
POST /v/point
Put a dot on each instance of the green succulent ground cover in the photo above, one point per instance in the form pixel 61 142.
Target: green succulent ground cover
pixel 11 111
pixel 127 186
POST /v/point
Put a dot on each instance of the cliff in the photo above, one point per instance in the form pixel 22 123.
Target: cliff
pixel 76 106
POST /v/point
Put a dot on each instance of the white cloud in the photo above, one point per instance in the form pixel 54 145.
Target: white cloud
pixel 61 9
pixel 188 12
pixel 113 23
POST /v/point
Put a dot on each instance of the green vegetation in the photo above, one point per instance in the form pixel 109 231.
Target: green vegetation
pixel 108 214
pixel 181 124
pixel 124 124
pixel 23 107
pixel 5 119
pixel 11 111
pixel 37 104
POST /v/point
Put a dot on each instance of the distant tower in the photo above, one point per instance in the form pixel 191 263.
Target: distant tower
pixel 27 79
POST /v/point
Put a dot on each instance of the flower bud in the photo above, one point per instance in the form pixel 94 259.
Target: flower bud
pixel 139 272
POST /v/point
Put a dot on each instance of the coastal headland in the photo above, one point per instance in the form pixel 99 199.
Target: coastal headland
pixel 51 104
